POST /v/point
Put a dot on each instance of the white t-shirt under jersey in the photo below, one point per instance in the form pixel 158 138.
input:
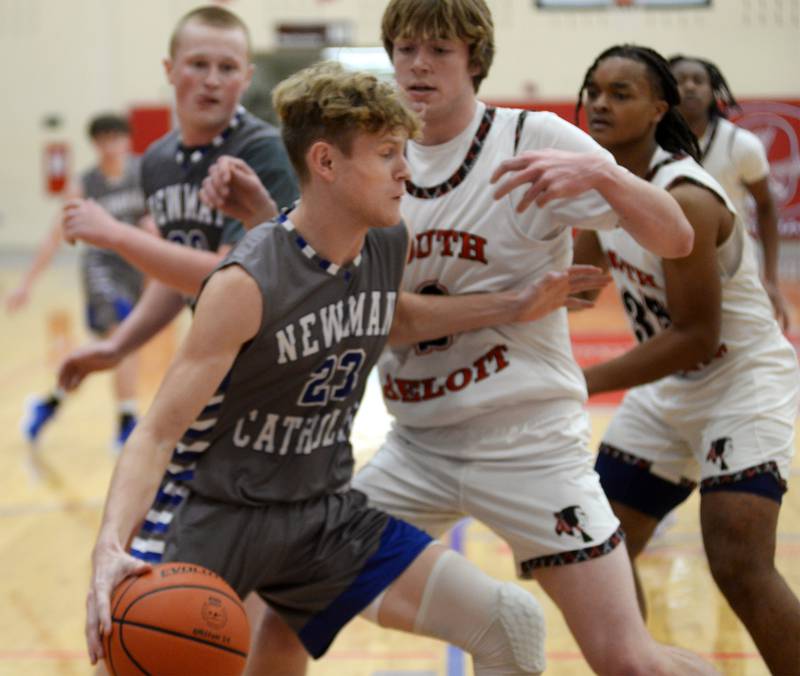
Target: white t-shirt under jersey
pixel 735 157
pixel 465 242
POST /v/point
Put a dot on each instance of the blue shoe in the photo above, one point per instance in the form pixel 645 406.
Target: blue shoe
pixel 38 412
pixel 127 422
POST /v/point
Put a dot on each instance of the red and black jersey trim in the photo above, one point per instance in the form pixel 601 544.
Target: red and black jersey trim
pixel 528 567
pixel 466 166
pixel 769 467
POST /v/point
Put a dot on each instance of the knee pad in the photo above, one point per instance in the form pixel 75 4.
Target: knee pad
pixel 500 624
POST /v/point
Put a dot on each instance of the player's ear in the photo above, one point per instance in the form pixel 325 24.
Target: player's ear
pixel 661 108
pixel 320 160
pixel 168 66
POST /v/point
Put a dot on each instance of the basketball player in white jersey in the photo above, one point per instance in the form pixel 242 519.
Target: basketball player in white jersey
pixel 490 422
pixel 734 156
pixel 715 383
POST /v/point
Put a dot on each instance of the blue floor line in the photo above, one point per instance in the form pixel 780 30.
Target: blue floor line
pixel 455 656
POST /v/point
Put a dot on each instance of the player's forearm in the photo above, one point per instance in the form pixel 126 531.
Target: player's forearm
pixel 651 215
pixel 422 317
pixel 44 255
pixel 157 307
pixel 134 484
pixel 768 234
pixel 667 353
pixel 180 267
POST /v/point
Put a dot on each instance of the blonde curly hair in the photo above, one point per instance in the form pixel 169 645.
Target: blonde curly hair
pixel 327 102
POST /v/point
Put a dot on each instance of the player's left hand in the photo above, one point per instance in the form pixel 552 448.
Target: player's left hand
pixel 779 305
pixel 87 221
pixel 552 174
pixel 110 565
pixel 557 289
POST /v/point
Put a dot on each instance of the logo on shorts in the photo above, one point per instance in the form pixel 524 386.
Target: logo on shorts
pixel 719 450
pixel 214 613
pixel 568 521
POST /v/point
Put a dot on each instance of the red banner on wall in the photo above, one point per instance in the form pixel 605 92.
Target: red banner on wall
pixel 775 121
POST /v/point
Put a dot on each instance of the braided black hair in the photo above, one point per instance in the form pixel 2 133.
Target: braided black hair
pixel 672 133
pixel 719 86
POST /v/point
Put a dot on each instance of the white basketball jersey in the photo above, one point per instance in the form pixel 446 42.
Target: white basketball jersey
pixel 465 242
pixel 735 157
pixel 748 323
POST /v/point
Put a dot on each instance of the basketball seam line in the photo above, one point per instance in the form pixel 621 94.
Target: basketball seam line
pixel 172 632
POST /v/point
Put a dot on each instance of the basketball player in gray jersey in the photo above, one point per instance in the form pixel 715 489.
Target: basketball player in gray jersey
pixel 258 406
pixel 111 285
pixel 209 69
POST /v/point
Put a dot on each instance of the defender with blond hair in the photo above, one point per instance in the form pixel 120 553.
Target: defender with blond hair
pixel 489 422
pixel 259 402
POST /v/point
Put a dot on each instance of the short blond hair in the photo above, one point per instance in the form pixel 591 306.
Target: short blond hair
pixel 325 102
pixel 467 20
pixel 209 15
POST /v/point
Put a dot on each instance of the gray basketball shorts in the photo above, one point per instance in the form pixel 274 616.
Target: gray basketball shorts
pixel 318 563
pixel 111 288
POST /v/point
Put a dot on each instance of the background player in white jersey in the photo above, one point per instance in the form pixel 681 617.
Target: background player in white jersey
pixel 266 503
pixel 490 422
pixel 715 383
pixel 111 286
pixel 209 70
pixel 734 156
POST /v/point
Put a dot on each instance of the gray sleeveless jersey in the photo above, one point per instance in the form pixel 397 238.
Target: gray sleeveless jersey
pixel 278 428
pixel 172 186
pixel 124 200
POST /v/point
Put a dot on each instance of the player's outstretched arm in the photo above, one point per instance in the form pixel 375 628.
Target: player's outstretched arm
pixel 694 306
pixel 235 189
pixel 420 317
pixel 156 308
pixel 228 314
pixel 651 216
pixel 19 296
pixel 181 267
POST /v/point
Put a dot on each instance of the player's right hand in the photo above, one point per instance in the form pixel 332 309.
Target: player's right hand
pixel 17 299
pixel 235 189
pixel 110 565
pixel 97 356
pixel 558 289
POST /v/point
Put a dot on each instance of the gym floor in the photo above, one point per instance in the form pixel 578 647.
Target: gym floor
pixel 49 517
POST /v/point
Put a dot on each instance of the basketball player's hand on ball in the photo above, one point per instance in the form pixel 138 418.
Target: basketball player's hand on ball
pixel 558 289
pixel 97 356
pixel 110 565
pixel 235 189
pixel 552 174
pixel 87 221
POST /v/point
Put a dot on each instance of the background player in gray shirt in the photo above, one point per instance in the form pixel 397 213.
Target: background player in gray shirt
pixel 258 404
pixel 111 285
pixel 209 69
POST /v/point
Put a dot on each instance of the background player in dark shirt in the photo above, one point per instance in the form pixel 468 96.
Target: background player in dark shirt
pixel 209 69
pixel 111 285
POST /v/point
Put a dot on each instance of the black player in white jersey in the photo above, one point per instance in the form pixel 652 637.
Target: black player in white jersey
pixel 111 285
pixel 714 383
pixel 209 69
pixel 258 403
pixel 736 157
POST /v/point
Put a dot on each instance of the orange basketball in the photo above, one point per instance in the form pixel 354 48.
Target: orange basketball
pixel 179 618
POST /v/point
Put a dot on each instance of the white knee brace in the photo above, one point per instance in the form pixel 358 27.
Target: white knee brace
pixel 500 624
